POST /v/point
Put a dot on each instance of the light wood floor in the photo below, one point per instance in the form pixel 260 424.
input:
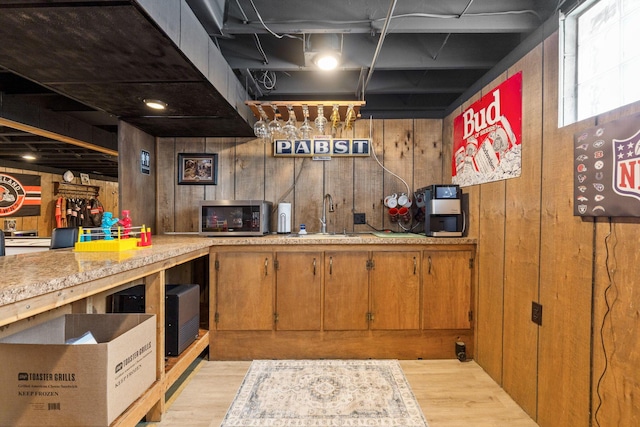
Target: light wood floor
pixel 450 394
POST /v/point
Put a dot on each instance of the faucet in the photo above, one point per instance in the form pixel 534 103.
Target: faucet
pixel 323 220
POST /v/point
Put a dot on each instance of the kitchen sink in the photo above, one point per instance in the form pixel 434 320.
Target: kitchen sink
pixel 322 236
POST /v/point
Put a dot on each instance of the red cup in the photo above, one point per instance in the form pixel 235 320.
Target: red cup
pixel 404 214
pixel 393 214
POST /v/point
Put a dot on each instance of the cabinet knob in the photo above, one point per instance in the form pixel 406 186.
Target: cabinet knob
pixel 330 265
pixel 415 266
pixel 430 264
pixel 266 266
pixel 314 266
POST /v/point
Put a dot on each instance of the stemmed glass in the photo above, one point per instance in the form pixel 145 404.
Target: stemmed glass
pixel 260 128
pixel 320 120
pixel 290 130
pixel 305 129
pixel 335 117
pixel 350 117
pixel 275 125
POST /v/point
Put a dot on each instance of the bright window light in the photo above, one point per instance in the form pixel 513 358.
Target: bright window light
pixel 600 58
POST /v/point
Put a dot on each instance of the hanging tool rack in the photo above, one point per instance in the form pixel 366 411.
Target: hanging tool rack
pixel 281 108
pixel 78 190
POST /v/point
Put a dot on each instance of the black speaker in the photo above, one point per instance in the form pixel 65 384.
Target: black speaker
pixel 182 317
pixel 461 351
pixel 182 312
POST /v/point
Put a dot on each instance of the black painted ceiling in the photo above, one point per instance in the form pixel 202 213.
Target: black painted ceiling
pixel 96 60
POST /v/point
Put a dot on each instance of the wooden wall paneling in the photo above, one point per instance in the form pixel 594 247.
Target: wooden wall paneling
pixel 166 184
pixel 109 195
pixel 486 222
pixel 428 152
pixel 447 146
pixel 308 195
pixel 565 270
pixel 618 402
pixel 339 182
pixel 619 385
pixel 338 177
pixel 398 158
pixel 367 177
pixel 188 196
pixel 279 174
pixel 226 150
pixel 250 170
pixel 137 191
pixel 522 244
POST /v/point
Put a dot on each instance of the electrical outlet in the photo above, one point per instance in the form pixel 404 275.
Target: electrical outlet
pixel 359 218
pixel 536 313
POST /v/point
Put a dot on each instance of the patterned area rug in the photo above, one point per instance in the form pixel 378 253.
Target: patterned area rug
pixel 323 393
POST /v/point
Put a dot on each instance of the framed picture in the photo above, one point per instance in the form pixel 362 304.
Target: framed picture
pixel 84 178
pixel 198 168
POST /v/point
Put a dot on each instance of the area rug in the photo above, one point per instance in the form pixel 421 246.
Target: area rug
pixel 322 393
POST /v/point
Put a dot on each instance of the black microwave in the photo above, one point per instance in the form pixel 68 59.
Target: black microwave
pixel 234 217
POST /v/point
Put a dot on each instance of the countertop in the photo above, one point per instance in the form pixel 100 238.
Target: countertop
pixel 28 275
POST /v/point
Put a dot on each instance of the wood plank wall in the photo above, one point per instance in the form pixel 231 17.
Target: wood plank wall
pixel 46 221
pixel 409 148
pixel 137 190
pixel 532 248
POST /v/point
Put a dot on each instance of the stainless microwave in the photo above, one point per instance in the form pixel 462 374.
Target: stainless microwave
pixel 234 217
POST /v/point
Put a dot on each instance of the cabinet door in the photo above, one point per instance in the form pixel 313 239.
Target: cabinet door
pixel 298 291
pixel 245 291
pixel 446 289
pixel 346 291
pixel 395 290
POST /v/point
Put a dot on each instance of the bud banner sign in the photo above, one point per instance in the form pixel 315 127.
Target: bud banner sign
pixel 606 167
pixel 19 195
pixel 487 137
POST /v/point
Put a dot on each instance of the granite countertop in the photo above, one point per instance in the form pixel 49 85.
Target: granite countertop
pixel 381 238
pixel 29 275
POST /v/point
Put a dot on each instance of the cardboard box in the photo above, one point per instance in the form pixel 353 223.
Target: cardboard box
pixel 47 382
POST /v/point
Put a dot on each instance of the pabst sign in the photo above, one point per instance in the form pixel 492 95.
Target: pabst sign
pixel 486 136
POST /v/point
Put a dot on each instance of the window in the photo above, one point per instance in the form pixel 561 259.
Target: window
pixel 599 57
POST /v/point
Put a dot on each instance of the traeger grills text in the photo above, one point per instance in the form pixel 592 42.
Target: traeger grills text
pixel 120 366
pixel 46 376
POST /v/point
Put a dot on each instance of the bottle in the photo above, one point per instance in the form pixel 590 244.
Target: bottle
pixel 303 229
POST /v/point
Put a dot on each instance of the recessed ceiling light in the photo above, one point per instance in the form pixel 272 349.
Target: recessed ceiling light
pixel 156 104
pixel 29 157
pixel 327 60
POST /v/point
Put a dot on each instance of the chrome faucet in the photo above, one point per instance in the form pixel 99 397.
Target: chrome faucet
pixel 323 220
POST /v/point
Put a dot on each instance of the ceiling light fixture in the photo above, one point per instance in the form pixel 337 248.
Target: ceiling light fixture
pixel 323 50
pixel 156 104
pixel 29 157
pixel 327 60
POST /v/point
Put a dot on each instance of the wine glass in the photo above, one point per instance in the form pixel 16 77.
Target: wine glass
pixel 320 120
pixel 275 126
pixel 260 128
pixel 290 130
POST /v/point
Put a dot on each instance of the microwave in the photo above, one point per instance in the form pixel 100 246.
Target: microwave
pixel 234 217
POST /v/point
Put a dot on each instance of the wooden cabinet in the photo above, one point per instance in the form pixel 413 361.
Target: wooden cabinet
pixel 395 290
pixel 244 291
pixel 346 290
pixel 446 288
pixel 298 291
pixel 342 301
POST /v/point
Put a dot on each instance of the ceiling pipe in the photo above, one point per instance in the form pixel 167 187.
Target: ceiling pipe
pixel 383 34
